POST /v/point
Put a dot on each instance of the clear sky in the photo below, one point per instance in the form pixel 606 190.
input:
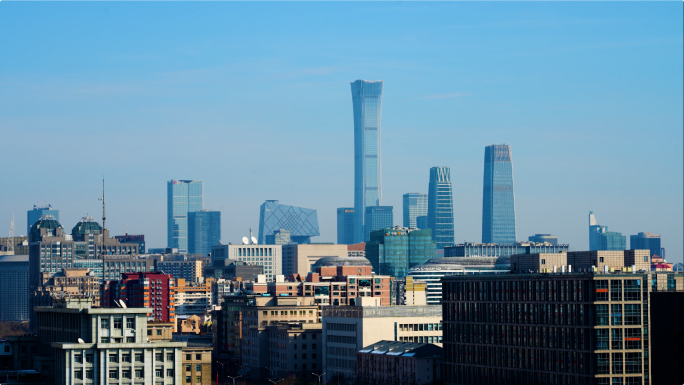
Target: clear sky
pixel 254 98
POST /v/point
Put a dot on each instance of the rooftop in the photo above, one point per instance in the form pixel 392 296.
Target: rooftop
pixel 404 349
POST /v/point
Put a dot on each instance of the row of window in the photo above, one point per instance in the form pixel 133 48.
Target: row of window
pixel 118 323
pixel 419 327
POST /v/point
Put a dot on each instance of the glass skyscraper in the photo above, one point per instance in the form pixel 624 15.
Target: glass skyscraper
pixel 367 104
pixel 302 223
pixel 646 241
pixel 611 240
pixel 378 217
pixel 440 208
pixel 345 225
pixel 393 251
pixel 498 202
pixel 204 231
pixel 183 196
pixel 595 232
pixel 415 205
pixel 32 216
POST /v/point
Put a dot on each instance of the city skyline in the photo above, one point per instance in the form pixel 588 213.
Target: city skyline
pixel 429 122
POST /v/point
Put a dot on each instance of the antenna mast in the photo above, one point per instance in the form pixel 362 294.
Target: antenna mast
pixel 102 235
pixel 10 241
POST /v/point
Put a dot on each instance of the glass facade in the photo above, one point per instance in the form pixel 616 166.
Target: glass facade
pixel 367 104
pixel 498 202
pixel 378 217
pixel 32 216
pixel 183 196
pixel 204 231
pixel 302 223
pixel 279 237
pixel 646 241
pixel 345 225
pixel 415 205
pixel 612 241
pixel 422 222
pixel 496 250
pixel 440 208
pixel 393 251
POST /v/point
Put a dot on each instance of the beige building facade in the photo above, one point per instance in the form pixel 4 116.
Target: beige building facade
pixel 297 259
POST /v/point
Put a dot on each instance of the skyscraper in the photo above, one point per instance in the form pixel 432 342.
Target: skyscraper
pixel 595 232
pixel 302 223
pixel 32 216
pixel 422 222
pixel 378 217
pixel 345 225
pixel 183 196
pixel 393 251
pixel 602 239
pixel 415 205
pixel 646 241
pixel 367 103
pixel 498 202
pixel 440 208
pixel 204 231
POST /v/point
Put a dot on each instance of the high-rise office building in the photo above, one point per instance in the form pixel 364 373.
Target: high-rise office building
pixel 345 225
pixel 393 251
pixel 595 231
pixel 498 202
pixel 302 223
pixel 32 216
pixel 14 288
pixel 367 103
pixel 183 196
pixel 602 239
pixel 543 238
pixel 279 237
pixel 378 217
pixel 204 231
pixel 440 208
pixel 648 241
pixel 422 222
pixel 415 205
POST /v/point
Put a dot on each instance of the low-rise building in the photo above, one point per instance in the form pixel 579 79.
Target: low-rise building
pixel 299 258
pixel 230 269
pixel 154 291
pixel 223 287
pixel 348 329
pixel 393 362
pixel 268 256
pixel 197 365
pixel 160 331
pixel 294 349
pixel 193 297
pixel 189 270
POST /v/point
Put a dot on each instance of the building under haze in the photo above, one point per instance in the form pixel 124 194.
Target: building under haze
pixel 440 208
pixel 393 251
pixel 204 231
pixel 498 200
pixel 14 288
pixel 345 225
pixel 378 217
pixel 415 205
pixel 367 104
pixel 183 196
pixel 130 238
pixel 648 241
pixel 32 216
pixel 541 238
pixel 302 223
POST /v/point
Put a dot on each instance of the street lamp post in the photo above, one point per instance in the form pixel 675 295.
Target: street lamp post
pixel 319 377
pixel 234 378
pixel 222 373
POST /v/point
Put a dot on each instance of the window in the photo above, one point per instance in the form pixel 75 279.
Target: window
pixel 90 374
pixel 125 358
pixel 130 340
pixel 198 379
pixel 632 314
pixel 113 374
pixel 169 372
pixel 601 315
pixel 104 340
pixel 616 339
pixel 198 357
pixel 113 358
pixel 104 323
pixel 188 367
pixel 188 379
pixel 118 323
pixel 543 262
pixel 616 315
pixel 601 339
pixel 139 373
pixel 602 363
pixel 617 363
pixel 78 374
pixel 149 332
pixel 169 356
pixel 139 357
pixel 90 358
pixel 198 367
pixel 126 374
pixel 130 323
pixel 158 332
pixel 632 363
pixel 78 358
pixel 158 373
pixel 188 357
pixel 632 338
pixel 158 356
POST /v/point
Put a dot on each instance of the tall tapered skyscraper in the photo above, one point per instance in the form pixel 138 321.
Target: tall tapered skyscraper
pixel 183 196
pixel 441 208
pixel 367 103
pixel 498 203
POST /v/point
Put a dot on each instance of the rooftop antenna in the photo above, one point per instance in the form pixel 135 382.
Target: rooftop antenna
pixel 10 241
pixel 102 240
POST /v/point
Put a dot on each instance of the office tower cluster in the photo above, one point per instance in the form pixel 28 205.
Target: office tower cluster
pixel 602 239
pixel 190 228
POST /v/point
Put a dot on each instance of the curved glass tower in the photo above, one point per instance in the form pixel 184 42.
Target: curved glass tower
pixel 440 215
pixel 183 196
pixel 498 203
pixel 367 103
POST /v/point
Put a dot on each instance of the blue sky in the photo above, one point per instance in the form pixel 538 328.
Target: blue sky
pixel 254 99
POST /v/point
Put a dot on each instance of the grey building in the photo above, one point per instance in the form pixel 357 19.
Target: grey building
pixel 268 256
pixel 32 216
pixel 497 250
pixel 602 239
pixel 498 200
pixel 441 208
pixel 104 345
pixel 415 205
pixel 542 238
pixel 301 222
pixel 279 237
pixel 229 269
pixel 345 225
pixel 648 241
pixel 14 287
pixel 377 218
